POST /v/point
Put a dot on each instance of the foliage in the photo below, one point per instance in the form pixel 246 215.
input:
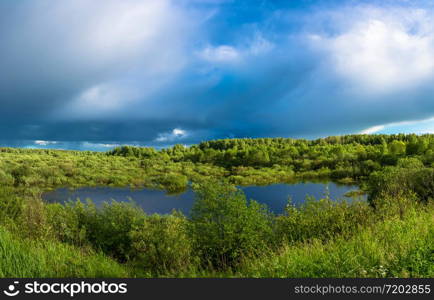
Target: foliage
pixel 391 248
pixel 322 219
pixel 225 227
pixel 106 229
pixel 408 179
pixel 161 245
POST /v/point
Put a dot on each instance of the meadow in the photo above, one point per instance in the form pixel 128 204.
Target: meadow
pixel 390 235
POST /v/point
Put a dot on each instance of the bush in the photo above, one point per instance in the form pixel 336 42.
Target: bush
pixel 11 205
pixel 33 219
pixel 407 182
pixel 161 245
pixel 156 244
pixel 6 178
pixel 225 228
pixel 409 163
pixel 66 222
pixel 106 229
pixel 174 183
pixel 322 219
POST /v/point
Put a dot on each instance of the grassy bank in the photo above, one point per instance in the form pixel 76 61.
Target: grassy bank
pixel 391 248
pixel 32 258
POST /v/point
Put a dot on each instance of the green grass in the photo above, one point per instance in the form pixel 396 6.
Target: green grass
pixel 392 248
pixel 27 258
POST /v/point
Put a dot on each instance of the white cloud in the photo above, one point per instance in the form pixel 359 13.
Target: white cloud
pixel 175 135
pixel 146 35
pixel 255 46
pixel 98 101
pixel 260 45
pixel 223 53
pixel 178 132
pixel 99 97
pixel 372 129
pixel 127 50
pixel 413 126
pixel 45 143
pixel 382 50
pixel 88 145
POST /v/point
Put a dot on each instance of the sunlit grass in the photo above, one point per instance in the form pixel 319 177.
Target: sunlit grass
pixel 392 248
pixel 28 258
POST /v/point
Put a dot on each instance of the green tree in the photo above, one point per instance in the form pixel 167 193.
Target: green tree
pixel 397 147
pixel 225 227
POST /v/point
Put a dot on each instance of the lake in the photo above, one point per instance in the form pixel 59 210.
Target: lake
pixel 275 196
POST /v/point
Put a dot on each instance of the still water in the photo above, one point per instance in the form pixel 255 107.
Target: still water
pixel 275 196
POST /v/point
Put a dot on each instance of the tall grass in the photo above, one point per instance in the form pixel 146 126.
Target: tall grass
pixel 396 247
pixel 29 258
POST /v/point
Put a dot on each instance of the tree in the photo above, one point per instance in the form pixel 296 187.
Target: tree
pixel 397 147
pixel 225 227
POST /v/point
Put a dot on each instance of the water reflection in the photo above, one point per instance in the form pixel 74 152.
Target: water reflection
pixel 275 196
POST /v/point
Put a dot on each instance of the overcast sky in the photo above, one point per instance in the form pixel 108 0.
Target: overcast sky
pixel 160 72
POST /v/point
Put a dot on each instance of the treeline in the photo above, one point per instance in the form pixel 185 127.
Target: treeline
pixel 351 156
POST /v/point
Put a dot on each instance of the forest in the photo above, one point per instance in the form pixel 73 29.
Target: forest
pixel 226 235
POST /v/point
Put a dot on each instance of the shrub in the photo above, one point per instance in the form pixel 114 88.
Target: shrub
pixel 322 219
pixel 409 163
pixel 11 205
pixel 33 220
pixel 109 227
pixel 407 182
pixel 225 227
pixel 66 222
pixel 21 172
pixel 160 244
pixel 174 183
pixel 6 178
pixel 106 229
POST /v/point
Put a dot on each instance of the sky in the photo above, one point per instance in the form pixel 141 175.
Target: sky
pixel 79 74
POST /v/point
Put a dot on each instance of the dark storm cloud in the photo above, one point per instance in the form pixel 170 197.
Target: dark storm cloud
pixel 162 72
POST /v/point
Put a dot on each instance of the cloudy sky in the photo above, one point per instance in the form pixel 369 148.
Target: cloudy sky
pixel 99 73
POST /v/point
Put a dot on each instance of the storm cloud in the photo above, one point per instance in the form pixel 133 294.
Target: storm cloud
pixel 163 72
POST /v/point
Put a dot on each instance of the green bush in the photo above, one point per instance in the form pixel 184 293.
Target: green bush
pixel 67 222
pixel 154 244
pixel 407 182
pixel 225 227
pixel 11 205
pixel 6 178
pixel 160 245
pixel 322 219
pixel 173 183
pixel 33 220
pixel 108 228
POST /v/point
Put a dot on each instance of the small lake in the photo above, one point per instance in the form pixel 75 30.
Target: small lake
pixel 275 196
